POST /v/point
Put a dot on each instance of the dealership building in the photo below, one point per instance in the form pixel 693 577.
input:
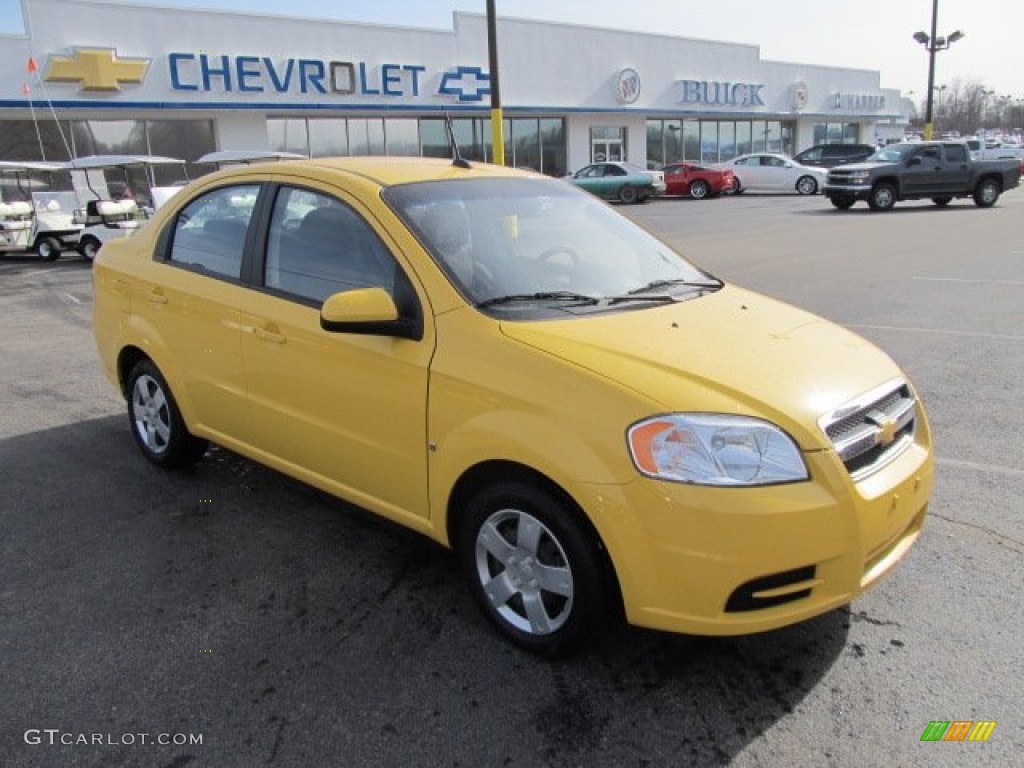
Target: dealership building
pixel 106 77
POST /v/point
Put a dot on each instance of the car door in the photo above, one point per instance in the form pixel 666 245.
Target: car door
pixel 192 298
pixel 677 179
pixel 756 173
pixel 591 178
pixel 955 170
pixel 348 410
pixel 922 174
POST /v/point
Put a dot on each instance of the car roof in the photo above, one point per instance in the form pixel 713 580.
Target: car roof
pixel 383 171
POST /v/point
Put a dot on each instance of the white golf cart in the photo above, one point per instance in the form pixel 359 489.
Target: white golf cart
pixel 106 216
pixel 35 217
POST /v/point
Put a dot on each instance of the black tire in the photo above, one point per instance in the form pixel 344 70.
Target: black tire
pixel 987 192
pixel 628 194
pixel 505 575
pixel 737 186
pixel 843 202
pixel 156 422
pixel 699 189
pixel 882 197
pixel 48 248
pixel 943 201
pixel 89 246
pixel 807 185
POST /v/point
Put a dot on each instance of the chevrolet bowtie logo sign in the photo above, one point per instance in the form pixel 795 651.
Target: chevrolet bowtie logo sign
pixel 97 69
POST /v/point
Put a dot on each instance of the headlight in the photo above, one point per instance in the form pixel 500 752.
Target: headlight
pixel 715 449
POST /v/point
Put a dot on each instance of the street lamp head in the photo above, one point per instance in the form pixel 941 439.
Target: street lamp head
pixel 922 38
pixel 958 35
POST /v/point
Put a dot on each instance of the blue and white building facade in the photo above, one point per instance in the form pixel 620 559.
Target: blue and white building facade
pixel 103 76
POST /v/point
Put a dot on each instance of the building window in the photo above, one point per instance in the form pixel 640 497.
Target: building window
pixel 836 133
pixel 714 141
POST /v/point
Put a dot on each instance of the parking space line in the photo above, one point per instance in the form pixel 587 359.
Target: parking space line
pixel 943 331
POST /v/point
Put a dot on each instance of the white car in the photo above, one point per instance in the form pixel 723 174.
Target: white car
pixel 768 172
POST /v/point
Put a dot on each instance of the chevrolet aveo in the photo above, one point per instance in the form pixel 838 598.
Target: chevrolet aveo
pixel 509 366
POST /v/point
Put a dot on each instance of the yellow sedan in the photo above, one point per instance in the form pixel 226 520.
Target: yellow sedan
pixel 506 364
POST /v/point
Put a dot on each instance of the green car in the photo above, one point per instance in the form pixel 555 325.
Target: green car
pixel 619 181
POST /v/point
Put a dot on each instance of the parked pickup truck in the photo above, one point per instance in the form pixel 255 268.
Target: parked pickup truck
pixel 940 170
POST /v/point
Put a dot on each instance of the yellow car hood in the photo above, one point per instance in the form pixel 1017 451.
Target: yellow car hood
pixel 732 351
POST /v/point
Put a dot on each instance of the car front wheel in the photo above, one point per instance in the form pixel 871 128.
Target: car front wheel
pixel 48 248
pixel 534 569
pixel 882 197
pixel 807 185
pixel 157 424
pixel 843 202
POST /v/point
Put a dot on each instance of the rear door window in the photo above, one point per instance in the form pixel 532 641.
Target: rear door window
pixel 210 232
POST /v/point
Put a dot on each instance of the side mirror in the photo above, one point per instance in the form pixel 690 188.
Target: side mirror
pixel 369 311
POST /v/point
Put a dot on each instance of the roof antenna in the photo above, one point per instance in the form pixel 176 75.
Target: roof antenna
pixel 457 159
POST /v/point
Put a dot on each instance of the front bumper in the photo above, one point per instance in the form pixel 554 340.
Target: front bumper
pixel 846 189
pixel 730 561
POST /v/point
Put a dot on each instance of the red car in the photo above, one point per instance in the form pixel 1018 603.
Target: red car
pixel 696 180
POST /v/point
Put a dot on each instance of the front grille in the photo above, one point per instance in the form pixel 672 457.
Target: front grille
pixel 874 429
pixel 843 177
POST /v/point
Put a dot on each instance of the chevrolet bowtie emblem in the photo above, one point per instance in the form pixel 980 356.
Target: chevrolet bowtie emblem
pixel 887 429
pixel 98 69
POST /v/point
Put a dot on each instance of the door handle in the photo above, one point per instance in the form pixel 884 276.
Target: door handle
pixel 156 296
pixel 266 334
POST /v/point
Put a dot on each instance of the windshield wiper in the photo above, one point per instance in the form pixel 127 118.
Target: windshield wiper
pixel 643 293
pixel 668 283
pixel 513 298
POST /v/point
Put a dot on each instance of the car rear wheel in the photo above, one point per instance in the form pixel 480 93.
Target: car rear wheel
pixel 699 189
pixel 48 248
pixel 534 570
pixel 89 247
pixel 157 424
pixel 942 202
pixel 628 194
pixel 986 193
pixel 882 197
pixel 807 185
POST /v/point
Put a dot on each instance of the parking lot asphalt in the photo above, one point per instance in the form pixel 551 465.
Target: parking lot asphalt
pixel 283 627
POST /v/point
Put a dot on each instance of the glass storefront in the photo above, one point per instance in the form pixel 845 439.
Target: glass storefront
pixel 59 141
pixel 712 141
pixel 534 143
pixel 836 133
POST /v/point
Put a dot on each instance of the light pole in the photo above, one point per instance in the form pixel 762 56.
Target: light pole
pixel 932 44
pixel 497 119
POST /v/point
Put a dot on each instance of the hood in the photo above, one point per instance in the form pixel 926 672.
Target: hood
pixel 733 351
pixel 861 166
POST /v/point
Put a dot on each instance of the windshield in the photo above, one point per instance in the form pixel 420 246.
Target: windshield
pixel 536 245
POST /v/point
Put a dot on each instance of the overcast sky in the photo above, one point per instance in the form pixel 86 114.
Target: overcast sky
pixel 864 34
